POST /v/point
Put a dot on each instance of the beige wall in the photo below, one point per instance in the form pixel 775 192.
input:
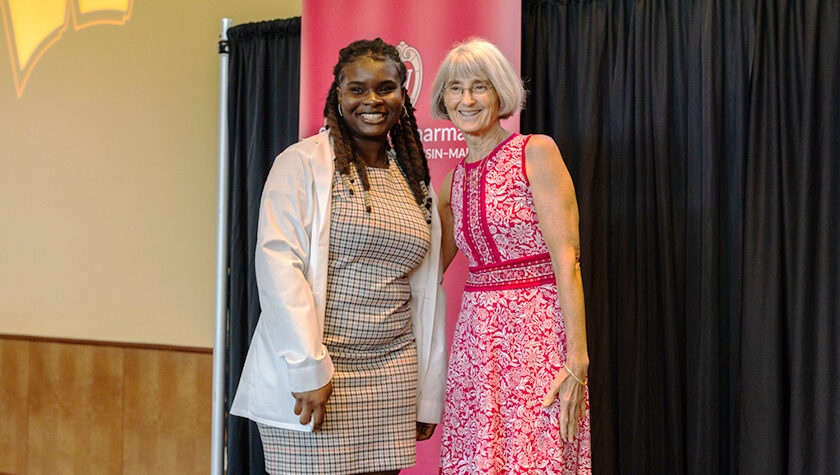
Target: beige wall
pixel 108 177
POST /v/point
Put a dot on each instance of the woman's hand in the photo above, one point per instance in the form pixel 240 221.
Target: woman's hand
pixel 425 430
pixel 571 396
pixel 313 405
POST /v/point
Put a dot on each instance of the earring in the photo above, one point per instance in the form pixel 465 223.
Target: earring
pixel 339 111
pixel 405 111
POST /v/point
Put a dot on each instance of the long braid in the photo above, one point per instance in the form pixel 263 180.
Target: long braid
pixel 405 136
pixel 409 148
pixel 344 153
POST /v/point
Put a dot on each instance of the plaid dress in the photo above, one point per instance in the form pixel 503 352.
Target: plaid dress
pixel 370 417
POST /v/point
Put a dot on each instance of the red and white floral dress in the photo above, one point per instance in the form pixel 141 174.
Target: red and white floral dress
pixel 510 339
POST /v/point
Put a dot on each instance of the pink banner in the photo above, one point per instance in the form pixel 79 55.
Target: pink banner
pixel 423 31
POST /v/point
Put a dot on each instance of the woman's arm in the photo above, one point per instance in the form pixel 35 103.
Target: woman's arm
pixel 556 205
pixel 447 221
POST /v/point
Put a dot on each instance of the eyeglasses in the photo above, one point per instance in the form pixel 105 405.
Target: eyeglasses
pixel 477 89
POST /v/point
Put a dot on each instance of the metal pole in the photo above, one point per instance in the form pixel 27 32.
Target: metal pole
pixel 218 439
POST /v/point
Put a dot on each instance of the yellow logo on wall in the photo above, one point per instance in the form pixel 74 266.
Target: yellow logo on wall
pixel 32 26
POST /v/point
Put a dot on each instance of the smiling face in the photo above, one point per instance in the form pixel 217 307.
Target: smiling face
pixel 472 105
pixel 371 98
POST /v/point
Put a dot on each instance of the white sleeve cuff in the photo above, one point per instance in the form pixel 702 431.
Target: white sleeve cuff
pixel 310 374
pixel 429 410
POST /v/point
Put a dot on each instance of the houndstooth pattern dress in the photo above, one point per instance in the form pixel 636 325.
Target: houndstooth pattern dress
pixel 370 417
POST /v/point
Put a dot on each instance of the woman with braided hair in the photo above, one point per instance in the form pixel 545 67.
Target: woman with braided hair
pixel 347 364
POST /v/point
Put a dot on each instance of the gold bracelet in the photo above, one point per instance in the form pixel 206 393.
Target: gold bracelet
pixel 572 373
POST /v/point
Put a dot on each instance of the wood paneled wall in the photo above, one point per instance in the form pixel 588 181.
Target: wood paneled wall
pixel 90 408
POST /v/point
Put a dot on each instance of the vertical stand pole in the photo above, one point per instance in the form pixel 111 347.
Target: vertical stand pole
pixel 218 439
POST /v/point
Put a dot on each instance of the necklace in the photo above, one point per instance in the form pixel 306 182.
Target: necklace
pixel 475 177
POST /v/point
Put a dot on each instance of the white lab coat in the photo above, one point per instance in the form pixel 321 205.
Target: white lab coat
pixel 286 352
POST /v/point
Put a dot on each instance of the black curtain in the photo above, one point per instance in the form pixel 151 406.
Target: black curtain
pixel 702 137
pixel 264 87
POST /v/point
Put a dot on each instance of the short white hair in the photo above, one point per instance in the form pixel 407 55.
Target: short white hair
pixel 479 58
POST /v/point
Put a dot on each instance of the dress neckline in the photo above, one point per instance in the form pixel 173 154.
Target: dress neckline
pixel 494 152
pixel 390 157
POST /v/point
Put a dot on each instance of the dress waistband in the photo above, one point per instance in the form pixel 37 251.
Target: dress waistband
pixel 529 271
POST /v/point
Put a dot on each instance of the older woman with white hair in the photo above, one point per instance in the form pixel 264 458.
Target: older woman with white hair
pixel 516 397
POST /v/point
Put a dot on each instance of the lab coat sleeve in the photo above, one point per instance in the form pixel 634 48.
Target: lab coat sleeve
pixel 284 243
pixel 429 305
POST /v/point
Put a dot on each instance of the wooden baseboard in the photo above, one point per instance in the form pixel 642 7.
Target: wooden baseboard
pixel 116 344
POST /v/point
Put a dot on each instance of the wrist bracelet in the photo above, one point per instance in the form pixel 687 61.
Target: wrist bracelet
pixel 572 373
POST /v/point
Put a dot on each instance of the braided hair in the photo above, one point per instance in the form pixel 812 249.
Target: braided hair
pixel 404 135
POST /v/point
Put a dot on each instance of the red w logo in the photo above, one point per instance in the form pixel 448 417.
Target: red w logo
pixel 414 69
pixel 32 26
